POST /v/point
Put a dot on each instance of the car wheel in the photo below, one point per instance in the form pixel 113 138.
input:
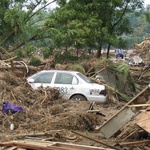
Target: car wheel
pixel 79 98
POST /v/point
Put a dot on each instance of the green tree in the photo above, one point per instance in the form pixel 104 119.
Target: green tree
pixel 91 23
pixel 147 13
pixel 140 26
pixel 21 23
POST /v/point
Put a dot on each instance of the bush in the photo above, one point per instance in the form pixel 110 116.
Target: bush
pixel 78 68
pixel 19 54
pixel 29 50
pixel 35 61
pixel 66 57
pixel 47 52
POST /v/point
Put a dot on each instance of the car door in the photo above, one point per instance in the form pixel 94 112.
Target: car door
pixel 67 83
pixel 43 79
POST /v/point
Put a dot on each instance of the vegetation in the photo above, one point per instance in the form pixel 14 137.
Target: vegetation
pixel 75 24
pixel 34 61
pixel 72 31
pixel 21 23
pixel 95 24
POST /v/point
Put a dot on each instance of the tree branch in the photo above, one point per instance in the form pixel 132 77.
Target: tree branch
pixel 21 44
pixel 40 9
pixel 121 16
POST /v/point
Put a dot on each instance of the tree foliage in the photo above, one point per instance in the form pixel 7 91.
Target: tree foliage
pixel 77 24
pixel 21 22
pixel 91 24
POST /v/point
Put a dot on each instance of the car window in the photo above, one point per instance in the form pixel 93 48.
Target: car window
pixel 64 78
pixel 44 77
pixel 83 77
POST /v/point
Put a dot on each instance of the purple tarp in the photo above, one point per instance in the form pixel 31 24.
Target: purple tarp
pixel 7 106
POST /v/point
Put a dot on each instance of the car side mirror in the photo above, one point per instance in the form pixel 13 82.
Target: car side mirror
pixel 31 80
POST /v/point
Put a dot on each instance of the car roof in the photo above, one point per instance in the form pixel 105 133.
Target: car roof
pixel 46 71
pixel 69 71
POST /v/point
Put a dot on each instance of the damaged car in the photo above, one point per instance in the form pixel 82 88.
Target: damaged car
pixel 71 84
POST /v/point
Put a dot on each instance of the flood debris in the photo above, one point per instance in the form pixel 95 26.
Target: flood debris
pixel 47 118
pixel 122 117
pixel 9 108
pixel 130 126
pixel 95 140
pixel 143 120
pixel 43 145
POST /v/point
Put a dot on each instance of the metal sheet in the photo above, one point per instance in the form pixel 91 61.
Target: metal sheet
pixel 123 116
pixel 117 122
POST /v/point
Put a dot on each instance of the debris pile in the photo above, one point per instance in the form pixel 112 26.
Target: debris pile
pixel 47 116
pixel 43 109
pixel 143 46
pixel 143 49
pixel 130 126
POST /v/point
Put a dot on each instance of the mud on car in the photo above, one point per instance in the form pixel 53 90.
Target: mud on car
pixel 71 84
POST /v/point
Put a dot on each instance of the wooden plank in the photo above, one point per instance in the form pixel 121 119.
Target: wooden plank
pixel 20 148
pixel 134 143
pixel 93 111
pixel 139 105
pixel 70 146
pixel 118 120
pixel 11 148
pixel 44 145
pixel 95 140
pixel 30 145
pixel 143 121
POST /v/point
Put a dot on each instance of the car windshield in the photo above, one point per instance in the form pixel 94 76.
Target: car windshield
pixel 86 79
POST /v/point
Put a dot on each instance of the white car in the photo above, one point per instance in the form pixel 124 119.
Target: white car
pixel 72 84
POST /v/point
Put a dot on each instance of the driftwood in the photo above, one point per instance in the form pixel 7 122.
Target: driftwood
pixel 19 68
pixel 30 146
pixel 110 146
pixel 139 105
pixel 44 145
pixel 134 143
pixel 31 134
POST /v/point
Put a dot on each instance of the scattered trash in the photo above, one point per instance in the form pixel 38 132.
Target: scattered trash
pixel 91 107
pixel 8 108
pixel 12 126
pixel 135 59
